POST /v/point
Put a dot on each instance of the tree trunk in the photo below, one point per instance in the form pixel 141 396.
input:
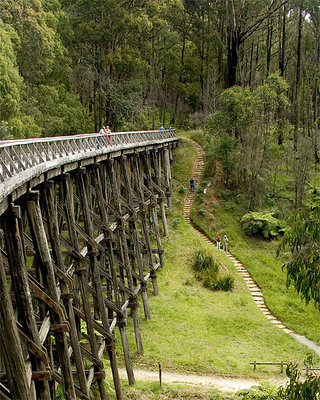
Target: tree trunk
pixel 282 42
pixel 297 86
pixel 233 54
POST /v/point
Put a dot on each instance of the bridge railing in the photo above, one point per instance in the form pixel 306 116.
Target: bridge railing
pixel 17 156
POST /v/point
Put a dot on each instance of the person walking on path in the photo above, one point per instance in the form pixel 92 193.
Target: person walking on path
pixel 218 242
pixel 225 243
pixel 191 185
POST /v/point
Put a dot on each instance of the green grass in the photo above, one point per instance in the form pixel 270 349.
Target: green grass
pixel 153 391
pixel 259 257
pixel 195 330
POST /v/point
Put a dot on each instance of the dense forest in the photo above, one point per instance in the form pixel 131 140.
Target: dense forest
pixel 247 70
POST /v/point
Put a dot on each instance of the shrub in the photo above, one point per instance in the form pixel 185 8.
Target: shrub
pixel 225 283
pixel 209 277
pixel 265 391
pixel 207 271
pixel 176 222
pixel 203 261
pixel 298 388
pixel 261 224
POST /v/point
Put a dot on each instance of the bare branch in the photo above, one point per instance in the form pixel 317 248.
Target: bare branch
pixel 257 24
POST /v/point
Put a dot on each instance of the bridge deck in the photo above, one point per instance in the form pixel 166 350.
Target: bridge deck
pixel 23 160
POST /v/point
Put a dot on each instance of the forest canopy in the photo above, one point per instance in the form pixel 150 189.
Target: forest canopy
pixel 70 66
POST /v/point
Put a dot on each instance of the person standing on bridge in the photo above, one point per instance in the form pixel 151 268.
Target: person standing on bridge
pixel 162 128
pixel 99 139
pixel 108 132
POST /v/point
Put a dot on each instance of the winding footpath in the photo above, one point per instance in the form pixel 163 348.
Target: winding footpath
pixel 254 289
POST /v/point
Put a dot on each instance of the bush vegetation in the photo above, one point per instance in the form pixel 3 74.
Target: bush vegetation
pixel 207 270
pixel 261 224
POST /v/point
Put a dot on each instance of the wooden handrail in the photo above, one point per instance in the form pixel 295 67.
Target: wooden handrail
pixel 23 159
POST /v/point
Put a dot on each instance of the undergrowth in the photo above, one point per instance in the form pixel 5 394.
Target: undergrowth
pixel 207 271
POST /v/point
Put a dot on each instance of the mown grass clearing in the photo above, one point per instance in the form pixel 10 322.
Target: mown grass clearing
pixel 193 329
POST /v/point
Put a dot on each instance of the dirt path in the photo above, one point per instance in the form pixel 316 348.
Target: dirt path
pixel 224 384
pixel 253 287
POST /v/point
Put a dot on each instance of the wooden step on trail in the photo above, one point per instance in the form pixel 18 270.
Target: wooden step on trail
pixel 252 286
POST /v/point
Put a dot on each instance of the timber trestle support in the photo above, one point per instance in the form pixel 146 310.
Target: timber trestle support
pixel 77 247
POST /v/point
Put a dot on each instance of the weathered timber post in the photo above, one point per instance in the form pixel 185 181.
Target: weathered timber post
pixel 135 237
pixel 10 344
pixel 112 287
pixel 153 204
pixel 156 160
pixel 109 239
pixel 167 175
pixel 144 223
pixel 50 203
pixel 44 258
pixel 81 271
pixel 67 205
pixel 126 262
pixel 84 190
pixel 19 277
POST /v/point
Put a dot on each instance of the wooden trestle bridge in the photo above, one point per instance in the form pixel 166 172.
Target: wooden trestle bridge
pixel 81 219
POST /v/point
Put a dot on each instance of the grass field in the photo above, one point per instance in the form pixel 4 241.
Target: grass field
pixel 152 391
pixel 194 330
pixel 215 217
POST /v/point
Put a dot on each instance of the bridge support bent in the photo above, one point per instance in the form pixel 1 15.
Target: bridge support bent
pixel 77 254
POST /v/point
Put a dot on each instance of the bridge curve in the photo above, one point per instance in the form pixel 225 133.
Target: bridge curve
pixel 26 159
pixel 80 236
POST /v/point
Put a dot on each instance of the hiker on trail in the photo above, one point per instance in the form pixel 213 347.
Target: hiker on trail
pixel 225 243
pixel 191 185
pixel 218 242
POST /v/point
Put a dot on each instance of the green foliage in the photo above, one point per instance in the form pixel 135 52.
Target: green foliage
pixel 265 391
pixel 56 111
pixel 10 80
pixel 204 261
pixel 225 151
pixel 207 271
pixel 303 241
pixel 153 391
pixel 225 282
pixel 36 98
pixel 176 222
pixel 182 190
pixel 242 137
pixel 298 388
pixel 261 224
